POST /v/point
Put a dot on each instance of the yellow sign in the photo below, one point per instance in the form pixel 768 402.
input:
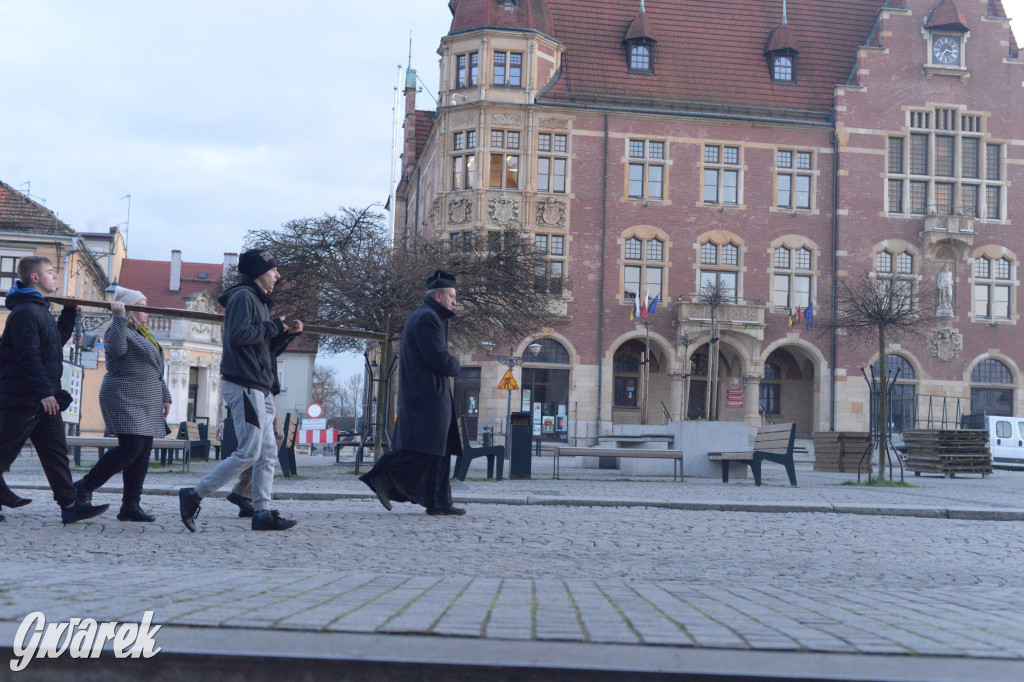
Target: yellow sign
pixel 508 382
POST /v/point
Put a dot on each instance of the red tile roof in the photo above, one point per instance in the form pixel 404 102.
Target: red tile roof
pixel 782 39
pixel 468 15
pixel 710 55
pixel 424 119
pixel 18 213
pixel 641 29
pixel 947 15
pixel 153 278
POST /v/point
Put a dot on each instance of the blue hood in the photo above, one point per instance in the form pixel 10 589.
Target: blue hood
pixel 19 293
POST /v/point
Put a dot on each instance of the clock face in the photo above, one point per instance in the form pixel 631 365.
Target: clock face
pixel 946 50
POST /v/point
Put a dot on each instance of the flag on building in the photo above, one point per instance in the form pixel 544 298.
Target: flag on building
pixel 634 311
pixel 654 304
pixel 790 317
pixel 643 310
pixel 798 314
pixel 809 314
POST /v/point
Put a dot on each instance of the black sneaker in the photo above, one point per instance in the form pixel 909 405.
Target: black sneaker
pixel 271 520
pixel 450 511
pixel 82 494
pixel 188 505
pixel 81 512
pixel 244 504
pixel 133 512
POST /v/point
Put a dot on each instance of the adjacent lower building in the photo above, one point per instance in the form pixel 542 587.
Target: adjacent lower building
pixel 778 148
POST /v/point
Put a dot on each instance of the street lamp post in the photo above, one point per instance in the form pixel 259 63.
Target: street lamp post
pixel 510 361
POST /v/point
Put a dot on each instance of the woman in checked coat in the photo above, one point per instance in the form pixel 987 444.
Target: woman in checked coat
pixel 134 400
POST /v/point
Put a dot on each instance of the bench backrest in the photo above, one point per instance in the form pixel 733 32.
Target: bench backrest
pixel 464 431
pixel 291 428
pixel 775 438
pixel 188 431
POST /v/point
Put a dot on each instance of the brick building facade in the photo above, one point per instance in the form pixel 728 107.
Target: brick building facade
pixel 775 147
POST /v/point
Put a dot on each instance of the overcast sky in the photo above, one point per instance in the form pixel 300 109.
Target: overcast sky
pixel 216 116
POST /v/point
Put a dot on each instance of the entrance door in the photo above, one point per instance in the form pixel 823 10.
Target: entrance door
pixel 698 399
pixel 467 398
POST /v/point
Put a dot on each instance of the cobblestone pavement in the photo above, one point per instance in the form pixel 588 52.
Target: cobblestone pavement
pixel 870 584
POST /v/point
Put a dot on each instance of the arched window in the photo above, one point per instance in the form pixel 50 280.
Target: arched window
pixel 627 365
pixel 896 270
pixel 782 69
pixel 991 388
pixel 792 277
pixel 644 260
pixel 720 266
pixel 546 383
pixel 993 285
pixel 902 399
pixel 770 390
pixel 640 58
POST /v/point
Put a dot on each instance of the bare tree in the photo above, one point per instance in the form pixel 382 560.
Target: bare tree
pixel 886 310
pixel 351 398
pixel 714 295
pixel 342 270
pixel 326 390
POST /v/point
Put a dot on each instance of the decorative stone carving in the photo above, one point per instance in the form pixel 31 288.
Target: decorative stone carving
pixel 945 344
pixel 503 211
pixel 551 212
pixel 560 123
pixel 434 218
pixel 462 121
pixel 178 367
pixel 204 304
pixel 505 120
pixel 459 211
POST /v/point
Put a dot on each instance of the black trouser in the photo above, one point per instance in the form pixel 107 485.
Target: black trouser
pixel 131 457
pixel 47 435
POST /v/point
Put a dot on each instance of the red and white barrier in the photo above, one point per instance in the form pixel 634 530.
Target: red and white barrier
pixel 317 436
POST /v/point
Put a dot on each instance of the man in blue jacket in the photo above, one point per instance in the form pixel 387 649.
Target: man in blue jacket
pixel 248 368
pixel 426 435
pixel 31 364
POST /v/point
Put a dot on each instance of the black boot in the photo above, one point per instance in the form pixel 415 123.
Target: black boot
pixel 188 506
pixel 131 511
pixel 82 494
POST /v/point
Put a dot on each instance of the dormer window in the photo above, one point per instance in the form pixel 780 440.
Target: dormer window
pixel 640 58
pixel 782 68
pixel 947 32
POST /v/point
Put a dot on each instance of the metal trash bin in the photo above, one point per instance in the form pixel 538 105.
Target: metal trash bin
pixel 521 433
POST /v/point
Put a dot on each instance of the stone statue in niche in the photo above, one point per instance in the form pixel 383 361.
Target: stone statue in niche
pixel 944 283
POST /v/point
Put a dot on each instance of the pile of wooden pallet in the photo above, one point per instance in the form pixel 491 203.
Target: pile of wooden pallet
pixel 948 452
pixel 839 451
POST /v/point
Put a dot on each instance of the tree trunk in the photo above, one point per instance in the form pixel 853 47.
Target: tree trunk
pixel 883 406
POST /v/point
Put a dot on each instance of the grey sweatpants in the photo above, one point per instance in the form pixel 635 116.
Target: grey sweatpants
pixel 243 487
pixel 253 414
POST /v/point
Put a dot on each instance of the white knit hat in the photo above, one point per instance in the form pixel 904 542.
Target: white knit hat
pixel 127 296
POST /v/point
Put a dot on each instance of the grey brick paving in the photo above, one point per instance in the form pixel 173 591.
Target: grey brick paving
pixel 669 568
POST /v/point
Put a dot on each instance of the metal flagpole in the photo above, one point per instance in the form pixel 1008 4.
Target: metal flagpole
pixel 394 159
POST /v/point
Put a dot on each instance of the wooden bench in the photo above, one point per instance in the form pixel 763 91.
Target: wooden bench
pixel 160 445
pixel 469 453
pixel 774 442
pixel 200 447
pixel 597 451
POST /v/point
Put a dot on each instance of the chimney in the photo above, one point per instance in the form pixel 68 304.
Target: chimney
pixel 230 261
pixel 176 270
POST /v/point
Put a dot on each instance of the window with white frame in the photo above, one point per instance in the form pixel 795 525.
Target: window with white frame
pixel 792 277
pixel 508 69
pixel 549 278
pixel 640 58
pixel 643 266
pixel 993 288
pixel 552 162
pixel 646 169
pixel 794 178
pixel 945 165
pixel 8 273
pixel 504 164
pixel 720 267
pixel 721 174
pixel 895 273
pixel 782 68
pixel 463 160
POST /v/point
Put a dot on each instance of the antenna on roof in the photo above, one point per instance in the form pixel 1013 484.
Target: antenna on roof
pixel 128 221
pixel 410 50
pixel 28 191
pixel 783 11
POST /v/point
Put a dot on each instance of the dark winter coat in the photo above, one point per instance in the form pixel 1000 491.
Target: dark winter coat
pixel 251 338
pixel 426 406
pixel 133 393
pixel 31 355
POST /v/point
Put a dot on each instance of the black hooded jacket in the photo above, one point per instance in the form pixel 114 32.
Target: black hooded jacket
pixel 252 339
pixel 31 355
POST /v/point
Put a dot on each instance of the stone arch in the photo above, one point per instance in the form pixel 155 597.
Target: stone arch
pixel 799 392
pixel 626 390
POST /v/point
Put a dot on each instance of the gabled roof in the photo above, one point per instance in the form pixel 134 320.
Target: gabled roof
pixel 641 29
pixel 153 278
pixel 710 55
pixel 469 15
pixel 19 213
pixel 947 15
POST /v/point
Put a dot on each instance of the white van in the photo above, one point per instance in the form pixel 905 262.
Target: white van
pixel 1006 441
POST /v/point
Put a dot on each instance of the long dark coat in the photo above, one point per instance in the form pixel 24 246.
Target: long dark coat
pixel 426 405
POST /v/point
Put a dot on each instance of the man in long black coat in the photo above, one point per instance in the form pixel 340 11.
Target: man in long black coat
pixel 426 435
